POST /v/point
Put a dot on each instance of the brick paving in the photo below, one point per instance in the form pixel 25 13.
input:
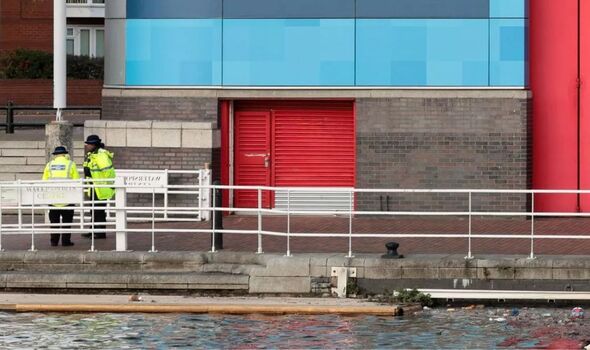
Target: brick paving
pixel 245 242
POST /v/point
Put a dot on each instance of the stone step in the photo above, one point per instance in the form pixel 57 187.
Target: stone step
pixel 22 144
pixel 110 281
pixel 22 169
pixel 14 161
pixel 10 152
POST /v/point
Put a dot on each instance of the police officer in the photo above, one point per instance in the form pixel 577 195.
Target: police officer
pixel 61 168
pixel 98 166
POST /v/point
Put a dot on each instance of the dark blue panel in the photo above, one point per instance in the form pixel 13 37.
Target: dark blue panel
pixel 288 9
pixel 422 8
pixel 190 9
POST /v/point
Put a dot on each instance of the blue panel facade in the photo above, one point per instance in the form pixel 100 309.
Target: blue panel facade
pixel 288 52
pixel 395 43
pixel 422 52
pixel 173 52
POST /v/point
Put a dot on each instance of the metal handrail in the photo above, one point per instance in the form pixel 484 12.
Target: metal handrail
pixel 10 108
pixel 122 207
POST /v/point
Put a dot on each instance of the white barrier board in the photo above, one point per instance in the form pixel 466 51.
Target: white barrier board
pixel 62 194
pixel 148 180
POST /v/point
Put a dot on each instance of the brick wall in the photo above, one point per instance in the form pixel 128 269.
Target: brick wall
pixel 40 92
pixel 443 143
pixel 26 24
pixel 166 158
pixel 160 108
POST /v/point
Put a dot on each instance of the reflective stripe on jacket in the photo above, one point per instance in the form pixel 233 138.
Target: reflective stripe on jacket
pixel 61 168
pixel 102 172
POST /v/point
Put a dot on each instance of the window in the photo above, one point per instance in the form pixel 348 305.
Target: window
pixel 85 41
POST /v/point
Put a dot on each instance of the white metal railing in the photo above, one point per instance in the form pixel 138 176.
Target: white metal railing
pixel 121 210
pixel 85 2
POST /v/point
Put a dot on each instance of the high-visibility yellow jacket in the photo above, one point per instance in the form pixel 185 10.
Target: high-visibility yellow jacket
pixel 102 172
pixel 61 168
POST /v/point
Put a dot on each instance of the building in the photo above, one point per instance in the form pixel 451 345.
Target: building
pixel 365 93
pixel 28 24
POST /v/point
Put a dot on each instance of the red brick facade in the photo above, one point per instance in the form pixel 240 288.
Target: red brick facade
pixel 40 92
pixel 26 24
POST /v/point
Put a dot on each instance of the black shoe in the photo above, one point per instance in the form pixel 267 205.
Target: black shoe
pixel 86 235
pixel 67 244
pixel 54 244
pixel 100 236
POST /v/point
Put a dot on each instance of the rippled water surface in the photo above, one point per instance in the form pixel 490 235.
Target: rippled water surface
pixel 435 329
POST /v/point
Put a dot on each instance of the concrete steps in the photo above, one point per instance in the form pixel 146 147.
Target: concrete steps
pixel 124 281
pixel 25 160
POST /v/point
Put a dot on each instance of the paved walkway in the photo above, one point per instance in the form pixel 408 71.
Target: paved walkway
pixel 244 242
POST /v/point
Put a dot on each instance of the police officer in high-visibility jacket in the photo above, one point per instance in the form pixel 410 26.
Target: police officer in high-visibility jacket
pixel 61 168
pixel 98 166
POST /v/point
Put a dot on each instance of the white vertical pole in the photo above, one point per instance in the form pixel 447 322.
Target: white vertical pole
pixel 351 203
pixel 469 255
pixel 1 219
pixel 259 221
pixel 59 56
pixel 33 222
pixel 532 256
pixel 153 250
pixel 121 215
pixel 288 222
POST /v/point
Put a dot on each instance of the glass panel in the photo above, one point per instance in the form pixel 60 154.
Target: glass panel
pixel 70 31
pixel 173 52
pixel 420 52
pixel 288 52
pixel 508 62
pixel 98 1
pixel 85 42
pixel 99 43
pixel 508 8
pixel 70 46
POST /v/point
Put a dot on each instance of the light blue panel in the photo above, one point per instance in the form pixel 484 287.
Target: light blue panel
pixel 283 52
pixel 508 8
pixel 508 59
pixel 173 52
pixel 421 52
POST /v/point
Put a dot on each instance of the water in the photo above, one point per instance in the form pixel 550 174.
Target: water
pixel 435 329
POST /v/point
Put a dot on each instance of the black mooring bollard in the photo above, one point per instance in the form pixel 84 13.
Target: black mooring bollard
pixel 392 251
pixel 217 223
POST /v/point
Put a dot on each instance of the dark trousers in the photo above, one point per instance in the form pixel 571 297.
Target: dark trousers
pixel 67 216
pixel 100 217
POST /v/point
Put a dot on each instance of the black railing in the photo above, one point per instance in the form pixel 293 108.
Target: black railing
pixel 10 109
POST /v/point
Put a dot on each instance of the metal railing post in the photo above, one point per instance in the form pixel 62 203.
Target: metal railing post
pixel 33 224
pixel 288 222
pixel 121 215
pixel 166 196
pixel 350 226
pixel 91 188
pixel 213 207
pixel 153 250
pixel 217 219
pixel 469 256
pixel 532 256
pixel 1 219
pixel 259 222
pixel 10 118
pixel 19 203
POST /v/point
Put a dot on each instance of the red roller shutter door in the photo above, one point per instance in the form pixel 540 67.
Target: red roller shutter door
pixel 312 144
pixel 313 148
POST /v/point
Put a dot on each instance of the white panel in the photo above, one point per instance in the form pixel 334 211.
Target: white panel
pixel 314 201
